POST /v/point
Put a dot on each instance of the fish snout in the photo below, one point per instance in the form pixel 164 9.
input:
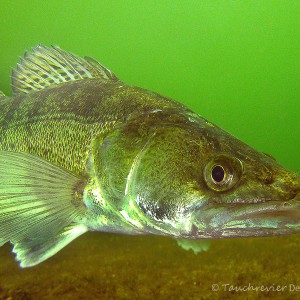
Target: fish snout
pixel 286 186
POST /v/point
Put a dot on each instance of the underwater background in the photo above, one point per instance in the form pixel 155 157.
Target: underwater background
pixel 237 63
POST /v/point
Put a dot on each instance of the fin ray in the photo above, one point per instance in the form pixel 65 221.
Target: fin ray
pixel 2 95
pixel 45 66
pixel 37 206
pixel 32 251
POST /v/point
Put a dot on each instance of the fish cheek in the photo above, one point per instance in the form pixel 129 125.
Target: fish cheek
pixel 156 169
pixel 165 174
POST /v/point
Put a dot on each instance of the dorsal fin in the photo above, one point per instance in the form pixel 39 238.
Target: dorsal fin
pixel 2 95
pixel 45 66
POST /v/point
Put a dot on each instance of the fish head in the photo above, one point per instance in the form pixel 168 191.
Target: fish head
pixel 189 178
pixel 246 192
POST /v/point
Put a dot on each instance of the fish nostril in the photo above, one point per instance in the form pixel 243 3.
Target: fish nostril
pixel 268 180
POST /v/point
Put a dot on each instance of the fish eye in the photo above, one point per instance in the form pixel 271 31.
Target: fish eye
pixel 217 173
pixel 222 172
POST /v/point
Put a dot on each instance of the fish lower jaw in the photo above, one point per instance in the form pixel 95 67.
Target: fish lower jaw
pixel 244 232
pixel 249 220
pixel 255 232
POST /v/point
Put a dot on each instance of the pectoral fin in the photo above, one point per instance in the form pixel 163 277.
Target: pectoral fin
pixel 39 212
pixel 196 246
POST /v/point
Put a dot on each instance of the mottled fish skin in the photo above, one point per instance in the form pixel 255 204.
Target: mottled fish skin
pixel 59 122
pixel 80 150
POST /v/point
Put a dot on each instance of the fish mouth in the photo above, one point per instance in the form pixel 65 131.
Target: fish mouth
pixel 247 219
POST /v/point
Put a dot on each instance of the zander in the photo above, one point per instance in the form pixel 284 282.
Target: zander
pixel 80 150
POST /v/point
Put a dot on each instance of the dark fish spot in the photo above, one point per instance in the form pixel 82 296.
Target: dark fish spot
pixel 268 180
pixel 46 153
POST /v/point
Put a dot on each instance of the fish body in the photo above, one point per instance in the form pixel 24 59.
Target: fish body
pixel 58 123
pixel 80 150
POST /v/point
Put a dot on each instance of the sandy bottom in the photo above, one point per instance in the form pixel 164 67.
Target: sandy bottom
pixel 107 266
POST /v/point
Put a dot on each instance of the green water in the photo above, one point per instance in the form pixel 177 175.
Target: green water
pixel 237 63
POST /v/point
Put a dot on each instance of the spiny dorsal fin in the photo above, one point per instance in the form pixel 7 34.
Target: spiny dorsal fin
pixel 45 66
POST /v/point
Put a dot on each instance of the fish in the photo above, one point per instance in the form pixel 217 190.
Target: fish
pixel 81 151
